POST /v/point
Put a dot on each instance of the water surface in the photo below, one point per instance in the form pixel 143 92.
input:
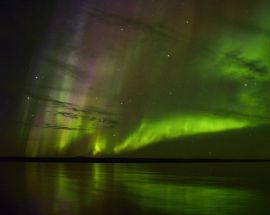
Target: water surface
pixel 183 188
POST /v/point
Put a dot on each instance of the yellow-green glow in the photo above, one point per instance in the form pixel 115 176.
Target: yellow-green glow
pixel 177 126
pixel 100 145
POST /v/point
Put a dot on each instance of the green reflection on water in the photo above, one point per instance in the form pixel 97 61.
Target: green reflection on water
pixel 64 189
pixel 188 199
pixel 118 188
pixel 178 196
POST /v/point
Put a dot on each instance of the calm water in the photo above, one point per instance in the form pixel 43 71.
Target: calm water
pixel 217 188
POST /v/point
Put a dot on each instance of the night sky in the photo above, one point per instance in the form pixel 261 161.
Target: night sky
pixel 137 78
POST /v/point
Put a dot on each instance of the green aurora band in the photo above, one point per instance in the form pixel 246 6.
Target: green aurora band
pixel 119 78
pixel 177 126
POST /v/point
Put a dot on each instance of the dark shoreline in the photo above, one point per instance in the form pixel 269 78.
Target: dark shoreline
pixel 123 160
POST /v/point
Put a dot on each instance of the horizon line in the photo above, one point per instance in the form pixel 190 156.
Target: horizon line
pixel 81 159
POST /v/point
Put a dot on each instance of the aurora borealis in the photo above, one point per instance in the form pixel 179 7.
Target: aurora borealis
pixel 115 76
